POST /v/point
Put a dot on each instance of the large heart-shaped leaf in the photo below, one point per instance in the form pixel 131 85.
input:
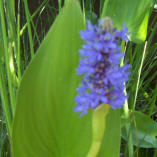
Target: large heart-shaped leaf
pixel 44 123
pixel 133 13
pixel 143 130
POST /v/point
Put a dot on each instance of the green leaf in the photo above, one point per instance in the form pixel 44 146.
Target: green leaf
pixel 1 45
pixel 45 124
pixel 1 54
pixel 143 130
pixel 111 141
pixel 133 13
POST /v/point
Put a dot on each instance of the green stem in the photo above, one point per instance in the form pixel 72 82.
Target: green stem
pixel 60 4
pixel 138 77
pixel 84 13
pixel 152 23
pixel 12 96
pixel 127 128
pixel 12 36
pixel 155 153
pixel 35 32
pixel 34 14
pixel 29 28
pixel 18 43
pixel 13 5
pixel 4 97
pixel 98 125
pixel 5 105
pixel 126 112
pixel 152 34
pixel 153 100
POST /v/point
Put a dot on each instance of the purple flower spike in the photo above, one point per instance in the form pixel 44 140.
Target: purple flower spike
pixel 103 79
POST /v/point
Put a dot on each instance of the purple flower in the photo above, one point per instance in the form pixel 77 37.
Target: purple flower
pixel 103 79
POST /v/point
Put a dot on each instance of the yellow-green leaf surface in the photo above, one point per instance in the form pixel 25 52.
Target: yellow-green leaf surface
pixel 110 146
pixel 44 123
pixel 133 13
pixel 106 132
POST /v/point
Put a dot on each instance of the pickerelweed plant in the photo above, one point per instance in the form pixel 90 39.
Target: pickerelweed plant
pixel 104 80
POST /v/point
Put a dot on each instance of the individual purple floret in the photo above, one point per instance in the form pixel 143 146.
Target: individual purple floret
pixel 103 79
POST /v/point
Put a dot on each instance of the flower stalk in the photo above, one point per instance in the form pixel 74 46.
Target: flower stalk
pixel 98 128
